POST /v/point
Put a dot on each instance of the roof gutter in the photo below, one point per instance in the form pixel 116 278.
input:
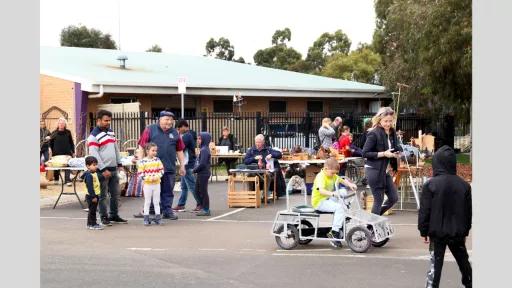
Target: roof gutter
pixel 99 95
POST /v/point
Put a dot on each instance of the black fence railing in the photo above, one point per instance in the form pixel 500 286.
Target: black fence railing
pixel 292 129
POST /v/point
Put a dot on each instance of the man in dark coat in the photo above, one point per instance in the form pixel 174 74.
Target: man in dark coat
pixel 260 154
pixel 445 216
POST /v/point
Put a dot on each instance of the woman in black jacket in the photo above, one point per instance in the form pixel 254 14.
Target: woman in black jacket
pixel 381 151
pixel 61 143
pixel 227 139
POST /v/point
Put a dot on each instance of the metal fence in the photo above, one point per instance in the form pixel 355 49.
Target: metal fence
pixel 291 129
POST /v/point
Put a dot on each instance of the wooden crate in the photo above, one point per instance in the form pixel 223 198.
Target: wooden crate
pixel 244 197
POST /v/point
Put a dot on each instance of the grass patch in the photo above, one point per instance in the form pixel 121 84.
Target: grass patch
pixel 462 158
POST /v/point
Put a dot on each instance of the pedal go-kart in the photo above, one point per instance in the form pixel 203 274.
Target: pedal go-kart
pixel 301 225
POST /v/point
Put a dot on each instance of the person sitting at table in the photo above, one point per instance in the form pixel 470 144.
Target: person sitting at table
pixel 260 154
pixel 227 139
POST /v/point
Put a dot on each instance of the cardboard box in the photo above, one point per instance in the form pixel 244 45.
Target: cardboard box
pixel 311 171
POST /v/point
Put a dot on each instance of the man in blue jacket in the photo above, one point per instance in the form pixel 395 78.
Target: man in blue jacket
pixel 260 154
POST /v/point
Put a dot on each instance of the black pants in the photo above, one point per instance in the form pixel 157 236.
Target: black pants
pixel 228 162
pixel 67 175
pixel 93 207
pixel 458 248
pixel 378 192
pixel 202 190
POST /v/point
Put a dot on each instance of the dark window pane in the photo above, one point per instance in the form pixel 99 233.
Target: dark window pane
pixel 315 106
pixel 277 106
pixel 222 106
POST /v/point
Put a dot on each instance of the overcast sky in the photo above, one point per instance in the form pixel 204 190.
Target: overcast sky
pixel 185 26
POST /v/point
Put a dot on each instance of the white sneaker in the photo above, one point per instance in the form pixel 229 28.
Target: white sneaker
pixel 69 184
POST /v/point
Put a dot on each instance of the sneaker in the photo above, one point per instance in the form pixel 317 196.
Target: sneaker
pixel 334 235
pixel 118 220
pixel 170 217
pixel 94 227
pixel 105 221
pixel 179 208
pixel 69 184
pixel 139 215
pixel 197 209
pixel 203 213
pixel 56 182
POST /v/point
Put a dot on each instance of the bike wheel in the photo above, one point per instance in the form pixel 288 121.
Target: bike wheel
pixel 288 240
pixel 305 224
pixel 359 239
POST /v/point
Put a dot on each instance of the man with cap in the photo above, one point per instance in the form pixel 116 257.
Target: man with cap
pixel 170 145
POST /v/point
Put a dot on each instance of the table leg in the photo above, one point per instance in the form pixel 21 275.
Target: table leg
pixel 74 189
pixel 61 188
pixel 265 189
pixel 274 195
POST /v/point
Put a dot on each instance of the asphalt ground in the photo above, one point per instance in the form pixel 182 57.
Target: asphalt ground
pixel 231 248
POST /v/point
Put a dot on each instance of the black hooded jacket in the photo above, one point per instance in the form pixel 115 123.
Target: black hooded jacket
pixel 445 205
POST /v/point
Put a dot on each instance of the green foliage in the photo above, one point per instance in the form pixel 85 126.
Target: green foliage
pixel 427 45
pixel 279 55
pixel 221 49
pixel 360 65
pixel 81 36
pixel 326 45
pixel 155 48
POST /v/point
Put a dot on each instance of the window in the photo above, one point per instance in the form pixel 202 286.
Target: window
pixel 222 106
pixel 276 106
pixel 121 100
pixel 315 106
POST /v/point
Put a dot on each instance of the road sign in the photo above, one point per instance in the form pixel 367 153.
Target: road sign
pixel 182 85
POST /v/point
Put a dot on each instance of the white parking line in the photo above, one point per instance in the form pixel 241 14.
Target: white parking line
pixel 422 258
pixel 146 249
pixel 226 214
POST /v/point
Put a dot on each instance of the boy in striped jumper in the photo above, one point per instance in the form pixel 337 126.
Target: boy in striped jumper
pixel 151 170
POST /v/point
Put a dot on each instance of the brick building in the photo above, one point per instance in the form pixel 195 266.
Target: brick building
pixel 74 81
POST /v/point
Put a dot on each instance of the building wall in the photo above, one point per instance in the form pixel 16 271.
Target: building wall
pixel 60 93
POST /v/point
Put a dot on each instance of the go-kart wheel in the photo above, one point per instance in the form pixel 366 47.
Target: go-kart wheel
pixel 359 239
pixel 380 243
pixel 288 240
pixel 305 224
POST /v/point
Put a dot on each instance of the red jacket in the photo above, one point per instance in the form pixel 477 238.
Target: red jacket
pixel 344 143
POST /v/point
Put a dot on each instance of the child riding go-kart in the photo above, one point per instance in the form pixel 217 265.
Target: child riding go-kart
pixel 359 228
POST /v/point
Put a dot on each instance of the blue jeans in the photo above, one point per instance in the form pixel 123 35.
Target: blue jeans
pixel 166 193
pixel 188 183
pixel 109 189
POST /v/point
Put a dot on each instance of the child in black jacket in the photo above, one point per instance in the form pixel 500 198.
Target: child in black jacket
pixel 92 181
pixel 202 169
pixel 445 216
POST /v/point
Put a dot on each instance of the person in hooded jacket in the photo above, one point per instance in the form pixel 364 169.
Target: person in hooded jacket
pixel 202 169
pixel 444 218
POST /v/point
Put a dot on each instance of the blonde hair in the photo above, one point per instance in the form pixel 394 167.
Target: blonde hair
pixel 326 121
pixel 62 119
pixel 383 112
pixel 332 164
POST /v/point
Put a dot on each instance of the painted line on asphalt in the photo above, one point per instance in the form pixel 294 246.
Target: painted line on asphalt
pixel 422 258
pixel 226 214
pixel 215 219
pixel 146 249
pixel 212 249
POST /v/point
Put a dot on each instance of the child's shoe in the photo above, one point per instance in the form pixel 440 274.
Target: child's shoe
pixel 203 213
pixel 158 218
pixel 334 235
pixel 94 227
pixel 147 222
